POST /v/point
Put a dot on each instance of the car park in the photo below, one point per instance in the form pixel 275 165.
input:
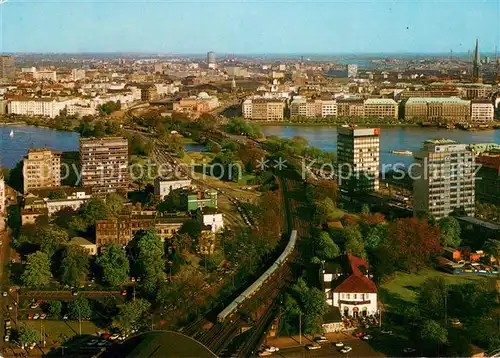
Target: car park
pixel 345 350
pixel 313 346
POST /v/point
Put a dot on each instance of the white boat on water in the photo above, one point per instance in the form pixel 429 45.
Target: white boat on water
pixel 402 152
pixel 11 133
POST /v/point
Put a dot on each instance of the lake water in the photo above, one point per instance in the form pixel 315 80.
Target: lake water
pixel 391 138
pixel 12 150
pixel 411 138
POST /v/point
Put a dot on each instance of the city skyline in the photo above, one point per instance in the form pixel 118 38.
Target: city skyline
pixel 195 27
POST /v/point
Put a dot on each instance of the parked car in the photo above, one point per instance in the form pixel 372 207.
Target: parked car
pixel 7 324
pixel 386 332
pixel 346 349
pixel 313 346
pixel 409 350
pixel 30 315
pixel 10 308
pixel 321 339
pixel 6 338
pixel 455 322
pixel 36 316
pixel 124 292
pixel 264 354
pixel 4 293
pixel 339 344
pixel 366 337
pixel 65 317
pixel 271 349
pixel 92 342
pixel 43 316
pixel 359 334
pixel 114 336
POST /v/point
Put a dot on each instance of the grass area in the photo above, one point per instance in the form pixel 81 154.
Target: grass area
pixel 245 178
pixel 404 286
pixel 197 157
pixel 60 331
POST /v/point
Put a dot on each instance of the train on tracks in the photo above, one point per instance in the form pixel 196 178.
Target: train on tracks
pixel 265 277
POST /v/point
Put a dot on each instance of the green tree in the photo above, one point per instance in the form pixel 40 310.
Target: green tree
pixel 450 232
pixel 74 265
pixel 130 313
pixel 92 210
pixel 79 308
pixel 99 129
pixel 431 296
pixel 55 308
pixel 37 271
pixel 375 236
pixel 192 227
pixel 114 204
pixel 14 217
pixel 114 264
pixel 50 238
pixel 28 335
pixel 326 249
pixel 354 241
pixel 432 332
pixel 150 260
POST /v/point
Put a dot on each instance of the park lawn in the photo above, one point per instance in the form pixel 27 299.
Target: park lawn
pixel 59 331
pixel 197 157
pixel 245 178
pixel 405 285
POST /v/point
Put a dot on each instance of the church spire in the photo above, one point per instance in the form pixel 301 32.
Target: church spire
pixel 476 72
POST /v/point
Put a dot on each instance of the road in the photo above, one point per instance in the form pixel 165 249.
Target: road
pixel 359 349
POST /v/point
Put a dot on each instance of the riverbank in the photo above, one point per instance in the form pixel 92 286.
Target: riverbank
pixel 331 125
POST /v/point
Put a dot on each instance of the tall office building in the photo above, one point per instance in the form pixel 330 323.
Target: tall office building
pixel 41 169
pixel 443 178
pixel 211 60
pixel 7 69
pixel 358 152
pixel 352 71
pixel 104 164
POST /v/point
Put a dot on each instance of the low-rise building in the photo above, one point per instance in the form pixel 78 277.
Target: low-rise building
pixel 122 229
pixel 43 107
pixel 347 286
pixel 200 200
pixel 350 107
pixel 89 247
pixel 163 187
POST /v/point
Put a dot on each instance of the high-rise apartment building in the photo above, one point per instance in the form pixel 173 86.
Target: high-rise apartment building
pixel 41 169
pixel 211 60
pixel 358 152
pixel 444 179
pixel 7 69
pixel 104 164
pixel 352 70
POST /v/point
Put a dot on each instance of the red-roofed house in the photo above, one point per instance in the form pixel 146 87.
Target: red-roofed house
pixel 348 287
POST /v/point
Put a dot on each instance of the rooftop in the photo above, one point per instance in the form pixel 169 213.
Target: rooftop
pixel 437 100
pixel 440 141
pixel 380 101
pixel 80 241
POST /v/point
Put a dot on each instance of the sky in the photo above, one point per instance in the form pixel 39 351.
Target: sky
pixel 249 27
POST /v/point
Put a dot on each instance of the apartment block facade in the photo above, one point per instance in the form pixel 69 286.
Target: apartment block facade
pixel 444 178
pixel 41 169
pixel 482 111
pixel 104 163
pixel 431 109
pixel 381 108
pixel 358 152
pixel 302 107
pixel 350 107
pixel 7 69
pixel 264 109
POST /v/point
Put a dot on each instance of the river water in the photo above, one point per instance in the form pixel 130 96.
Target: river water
pixel 391 138
pixel 13 149
pixel 410 138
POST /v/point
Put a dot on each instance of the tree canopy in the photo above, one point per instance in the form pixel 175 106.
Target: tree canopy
pixel 114 265
pixel 37 271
